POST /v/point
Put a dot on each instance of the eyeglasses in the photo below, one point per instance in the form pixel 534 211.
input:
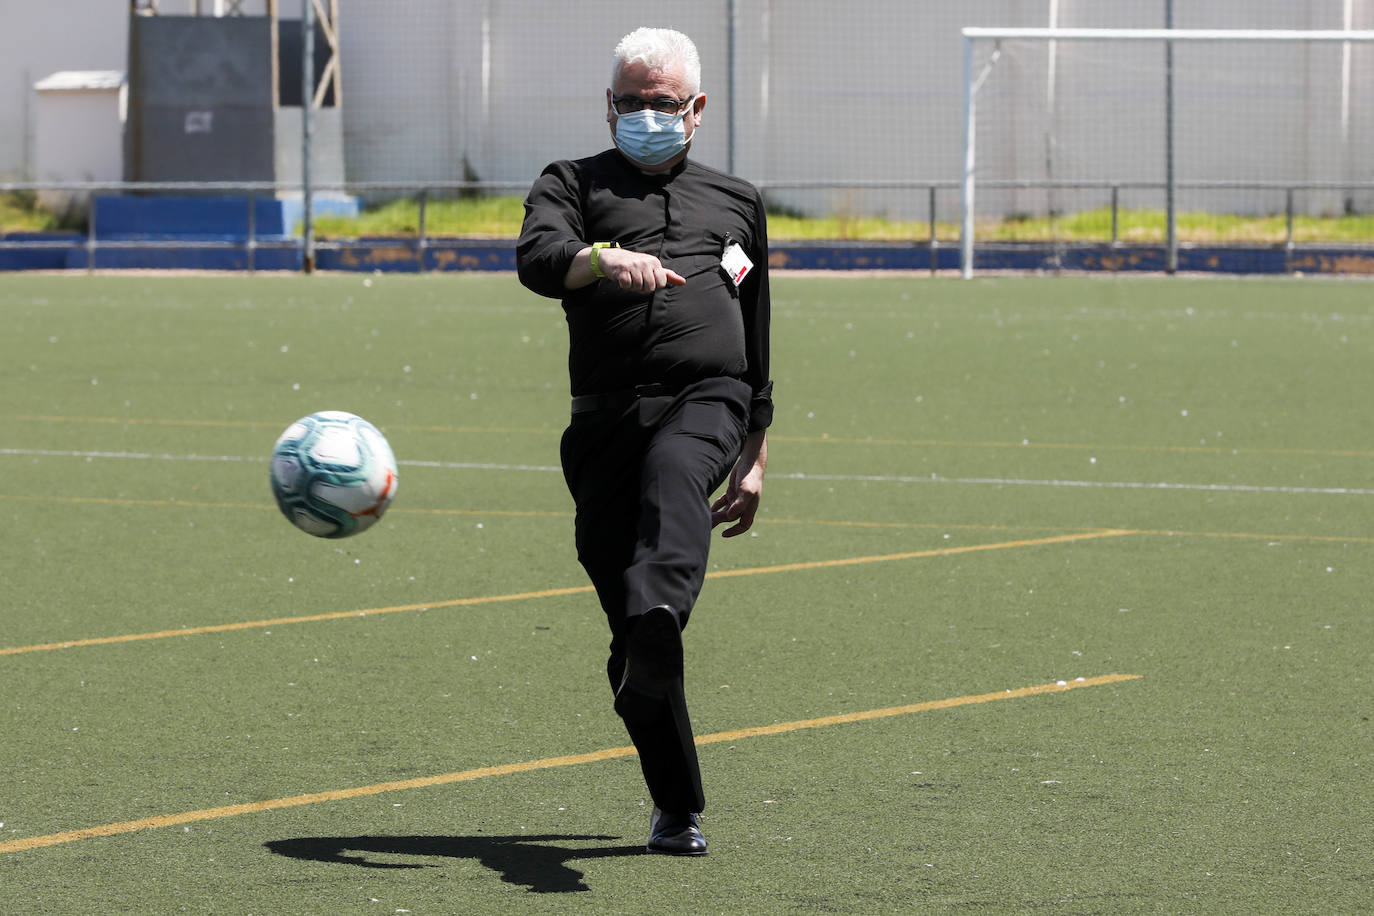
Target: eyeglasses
pixel 627 104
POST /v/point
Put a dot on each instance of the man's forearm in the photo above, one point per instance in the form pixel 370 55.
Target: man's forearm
pixel 754 456
pixel 580 270
pixel 631 270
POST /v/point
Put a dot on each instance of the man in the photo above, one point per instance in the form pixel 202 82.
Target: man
pixel 662 266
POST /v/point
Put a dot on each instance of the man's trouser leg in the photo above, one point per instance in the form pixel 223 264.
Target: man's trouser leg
pixel 642 479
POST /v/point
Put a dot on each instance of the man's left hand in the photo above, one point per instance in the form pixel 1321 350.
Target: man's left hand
pixel 740 501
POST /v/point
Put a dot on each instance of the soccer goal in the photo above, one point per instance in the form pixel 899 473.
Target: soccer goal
pixel 1109 135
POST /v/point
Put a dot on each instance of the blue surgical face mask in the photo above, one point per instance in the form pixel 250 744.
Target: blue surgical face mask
pixel 650 137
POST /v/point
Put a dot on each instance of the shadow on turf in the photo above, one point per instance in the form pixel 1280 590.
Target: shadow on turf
pixel 526 859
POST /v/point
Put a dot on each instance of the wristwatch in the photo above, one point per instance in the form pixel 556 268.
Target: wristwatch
pixel 596 250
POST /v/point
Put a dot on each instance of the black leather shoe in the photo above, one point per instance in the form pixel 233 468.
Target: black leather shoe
pixel 676 834
pixel 653 663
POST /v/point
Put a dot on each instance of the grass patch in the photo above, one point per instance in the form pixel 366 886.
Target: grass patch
pixel 476 217
pixel 500 217
pixel 1151 226
pixel 19 212
pixel 854 228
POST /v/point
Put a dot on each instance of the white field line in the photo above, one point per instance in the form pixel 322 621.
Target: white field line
pixel 242 459
pixel 1087 484
pixel 1015 316
pixel 851 478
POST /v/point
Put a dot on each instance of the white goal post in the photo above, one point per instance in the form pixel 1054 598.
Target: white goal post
pixel 1153 89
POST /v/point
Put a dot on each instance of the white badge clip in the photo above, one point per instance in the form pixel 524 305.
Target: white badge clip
pixel 736 263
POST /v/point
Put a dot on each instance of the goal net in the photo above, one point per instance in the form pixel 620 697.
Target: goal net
pixel 1167 138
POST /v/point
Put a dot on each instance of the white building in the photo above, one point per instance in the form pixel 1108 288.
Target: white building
pixel 871 90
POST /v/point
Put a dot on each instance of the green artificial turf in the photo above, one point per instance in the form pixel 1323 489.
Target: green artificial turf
pixel 974 487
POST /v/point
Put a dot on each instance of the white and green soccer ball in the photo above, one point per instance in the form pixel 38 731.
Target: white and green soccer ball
pixel 333 474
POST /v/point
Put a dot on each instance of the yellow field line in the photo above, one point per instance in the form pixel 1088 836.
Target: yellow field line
pixel 916 554
pixel 544 593
pixel 932 526
pixel 130 501
pixel 283 621
pixel 205 814
pixel 917 526
pixel 823 439
pixel 870 714
pixel 1251 536
pixel 148 421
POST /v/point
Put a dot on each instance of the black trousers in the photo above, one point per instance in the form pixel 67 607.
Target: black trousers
pixel 641 473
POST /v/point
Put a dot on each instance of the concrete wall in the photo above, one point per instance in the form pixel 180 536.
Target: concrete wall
pixel 37 40
pixel 1243 112
pixel 868 90
pixel 326 147
pixel 873 92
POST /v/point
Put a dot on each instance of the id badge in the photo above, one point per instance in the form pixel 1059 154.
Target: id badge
pixel 735 262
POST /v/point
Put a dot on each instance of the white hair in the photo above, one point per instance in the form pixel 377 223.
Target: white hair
pixel 656 49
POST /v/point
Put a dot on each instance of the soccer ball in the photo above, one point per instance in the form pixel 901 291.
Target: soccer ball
pixel 333 474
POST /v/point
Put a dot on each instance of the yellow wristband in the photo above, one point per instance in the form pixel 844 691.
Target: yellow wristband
pixel 596 250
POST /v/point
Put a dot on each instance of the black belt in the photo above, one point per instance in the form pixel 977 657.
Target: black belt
pixel 584 403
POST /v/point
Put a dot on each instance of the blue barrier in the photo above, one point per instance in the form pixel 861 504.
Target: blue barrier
pixel 406 255
pixel 196 218
pixel 46 258
pixel 861 256
pixel 1219 259
pixel 217 218
pixel 230 259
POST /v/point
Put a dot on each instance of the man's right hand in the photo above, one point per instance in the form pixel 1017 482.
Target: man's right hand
pixel 636 271
pixel 631 270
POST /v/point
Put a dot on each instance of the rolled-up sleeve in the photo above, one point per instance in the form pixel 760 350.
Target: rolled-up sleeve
pixel 756 306
pixel 552 233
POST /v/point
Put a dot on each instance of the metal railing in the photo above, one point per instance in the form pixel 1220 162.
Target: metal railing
pixel 307 243
pixel 252 240
pixel 1113 191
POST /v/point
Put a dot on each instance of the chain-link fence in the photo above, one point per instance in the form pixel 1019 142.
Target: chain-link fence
pixel 850 119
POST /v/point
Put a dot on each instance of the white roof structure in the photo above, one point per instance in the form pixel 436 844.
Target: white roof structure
pixel 79 80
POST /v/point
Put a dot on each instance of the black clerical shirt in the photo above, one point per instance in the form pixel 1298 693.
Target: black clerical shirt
pixel 678 335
